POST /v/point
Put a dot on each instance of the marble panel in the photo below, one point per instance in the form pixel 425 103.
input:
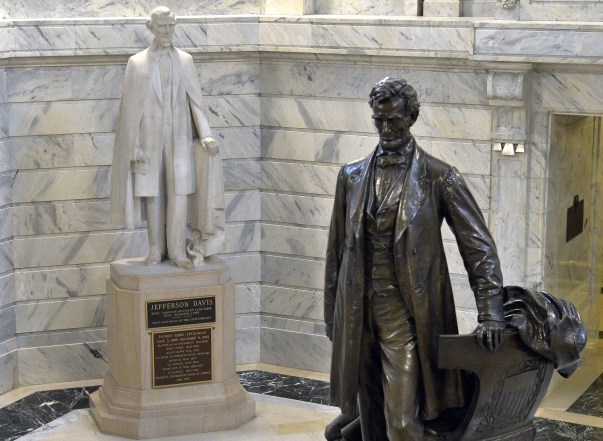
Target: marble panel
pixel 7 290
pixel 45 37
pixel 92 279
pixel 248 298
pixel 4 120
pixel 9 324
pixel 478 8
pixel 454 259
pixel 92 216
pixel 233 34
pixel 112 36
pixel 292 302
pixel 97 82
pixel 9 371
pixel 293 349
pixel 78 248
pixel 243 206
pixel 44 219
pixel 93 149
pixel 6 256
pixel 463 295
pixel 505 191
pixel 512 261
pixel 244 268
pixel 316 147
pixel 238 142
pixel 242 175
pixel 7 180
pixel 283 239
pixel 299 178
pixel 408 38
pixel 60 314
pixel 34 152
pixel 248 345
pixel 61 185
pixel 55 364
pixel 3 80
pixel 467 157
pixel 60 337
pixel 567 43
pixel 54 118
pixel 6 159
pixel 310 327
pixel 285 34
pixel 248 321
pixel 300 210
pixel 293 271
pixel 6 223
pixel 47 284
pixel 233 111
pixel 7 36
pixel 567 91
pixel 38 84
pixel 356 80
pixel 480 189
pixel 466 320
pixel 242 237
pixel 229 77
pixel 355 117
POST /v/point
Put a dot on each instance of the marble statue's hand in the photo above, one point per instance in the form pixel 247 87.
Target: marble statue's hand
pixel 489 334
pixel 210 145
pixel 138 156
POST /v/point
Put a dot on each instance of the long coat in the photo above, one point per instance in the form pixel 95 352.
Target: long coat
pixel 433 191
pixel 140 125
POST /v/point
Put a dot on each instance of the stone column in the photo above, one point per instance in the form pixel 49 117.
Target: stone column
pixel 171 349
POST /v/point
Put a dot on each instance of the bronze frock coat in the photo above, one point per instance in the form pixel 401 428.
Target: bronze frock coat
pixel 433 191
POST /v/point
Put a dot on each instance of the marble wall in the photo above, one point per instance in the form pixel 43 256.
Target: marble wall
pixel 287 98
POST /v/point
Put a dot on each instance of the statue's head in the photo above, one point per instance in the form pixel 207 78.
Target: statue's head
pixel 395 109
pixel 162 23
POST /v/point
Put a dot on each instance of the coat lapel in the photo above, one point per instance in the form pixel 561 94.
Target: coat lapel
pixel 360 184
pixel 413 194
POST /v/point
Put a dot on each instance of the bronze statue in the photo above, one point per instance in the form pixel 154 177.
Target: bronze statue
pixel 388 295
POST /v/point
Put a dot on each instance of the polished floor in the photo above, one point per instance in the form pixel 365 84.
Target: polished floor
pixel 291 406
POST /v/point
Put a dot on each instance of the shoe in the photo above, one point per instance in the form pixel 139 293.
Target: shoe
pixel 184 263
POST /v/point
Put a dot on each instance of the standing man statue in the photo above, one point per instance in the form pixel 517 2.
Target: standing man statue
pixel 388 295
pixel 165 155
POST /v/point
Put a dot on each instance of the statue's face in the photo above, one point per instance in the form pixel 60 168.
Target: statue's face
pixel 392 122
pixel 162 28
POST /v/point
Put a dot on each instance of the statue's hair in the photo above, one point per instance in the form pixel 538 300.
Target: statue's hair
pixel 390 88
pixel 159 11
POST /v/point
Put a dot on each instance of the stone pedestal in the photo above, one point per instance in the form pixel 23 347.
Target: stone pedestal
pixel 171 349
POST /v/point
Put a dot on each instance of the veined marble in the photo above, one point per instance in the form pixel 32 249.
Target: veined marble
pixel 233 111
pixel 41 186
pixel 6 256
pixel 92 149
pixel 242 237
pixel 78 248
pixel 295 241
pixel 299 178
pixel 7 180
pixel 9 371
pixel 243 206
pixel 295 325
pixel 44 219
pixel 239 142
pixel 54 364
pixel 34 152
pixel 294 349
pixel 229 77
pixel 65 337
pixel 7 290
pixel 292 302
pixel 60 314
pixel 248 345
pixel 242 175
pixel 8 320
pixel 292 271
pixel 248 298
pixel 244 267
pixel 299 210
pixel 285 34
pixel 6 223
pixel 233 34
pixel 6 160
pixel 65 282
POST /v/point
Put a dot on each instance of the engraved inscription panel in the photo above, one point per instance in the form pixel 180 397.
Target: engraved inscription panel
pixel 182 357
pixel 181 312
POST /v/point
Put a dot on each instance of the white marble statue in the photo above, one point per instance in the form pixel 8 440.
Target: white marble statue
pixel 165 159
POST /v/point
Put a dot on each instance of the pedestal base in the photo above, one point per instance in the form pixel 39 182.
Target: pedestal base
pixel 171 356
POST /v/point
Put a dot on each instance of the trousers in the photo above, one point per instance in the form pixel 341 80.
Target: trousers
pixel 388 390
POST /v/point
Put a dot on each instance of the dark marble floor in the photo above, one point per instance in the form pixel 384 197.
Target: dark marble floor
pixel 40 408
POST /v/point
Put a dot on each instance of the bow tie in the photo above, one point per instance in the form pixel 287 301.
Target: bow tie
pixel 387 160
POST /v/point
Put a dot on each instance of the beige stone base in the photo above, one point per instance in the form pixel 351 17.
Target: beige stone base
pixel 156 415
pixel 128 403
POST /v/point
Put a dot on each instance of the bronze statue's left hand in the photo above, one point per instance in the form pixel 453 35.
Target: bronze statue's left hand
pixel 489 334
pixel 210 145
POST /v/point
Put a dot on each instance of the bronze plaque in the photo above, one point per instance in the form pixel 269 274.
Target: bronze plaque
pixel 181 312
pixel 182 357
